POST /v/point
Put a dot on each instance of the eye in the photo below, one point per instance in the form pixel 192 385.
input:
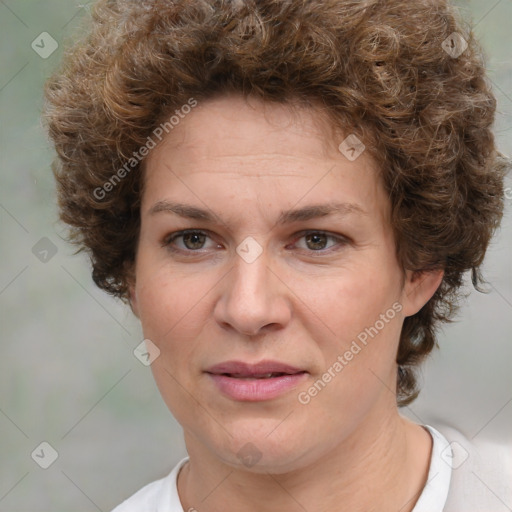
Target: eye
pixel 193 240
pixel 188 240
pixel 317 241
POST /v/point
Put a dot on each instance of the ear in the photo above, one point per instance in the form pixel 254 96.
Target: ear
pixel 132 296
pixel 132 299
pixel 419 287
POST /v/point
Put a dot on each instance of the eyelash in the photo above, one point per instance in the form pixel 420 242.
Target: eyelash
pixel 168 240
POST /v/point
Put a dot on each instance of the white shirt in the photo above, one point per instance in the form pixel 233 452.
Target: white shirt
pixel 459 480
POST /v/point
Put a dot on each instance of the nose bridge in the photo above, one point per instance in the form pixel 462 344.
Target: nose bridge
pixel 252 298
pixel 250 278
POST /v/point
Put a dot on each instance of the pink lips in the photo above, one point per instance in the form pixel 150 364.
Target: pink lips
pixel 255 382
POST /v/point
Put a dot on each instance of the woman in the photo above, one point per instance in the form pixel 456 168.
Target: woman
pixel 288 195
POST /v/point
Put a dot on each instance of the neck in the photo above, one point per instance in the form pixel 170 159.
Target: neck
pixel 383 465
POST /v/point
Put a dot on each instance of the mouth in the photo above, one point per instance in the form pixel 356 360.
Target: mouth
pixel 270 375
pixel 255 382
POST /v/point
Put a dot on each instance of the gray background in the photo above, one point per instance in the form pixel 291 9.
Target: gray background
pixel 67 372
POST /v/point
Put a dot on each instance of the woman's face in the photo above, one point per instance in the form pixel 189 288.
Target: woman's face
pixel 278 318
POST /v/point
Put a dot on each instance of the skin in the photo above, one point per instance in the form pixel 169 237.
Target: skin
pixel 348 448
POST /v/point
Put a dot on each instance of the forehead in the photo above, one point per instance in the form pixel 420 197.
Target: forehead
pixel 230 146
pixel 220 125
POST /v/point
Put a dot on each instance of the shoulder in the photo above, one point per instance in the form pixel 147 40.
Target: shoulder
pixel 158 495
pixel 145 498
pixel 481 472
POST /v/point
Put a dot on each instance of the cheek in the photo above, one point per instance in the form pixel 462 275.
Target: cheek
pixel 169 302
pixel 173 313
pixel 175 310
pixel 362 315
pixel 358 361
pixel 354 301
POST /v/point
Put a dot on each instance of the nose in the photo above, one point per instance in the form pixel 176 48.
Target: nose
pixel 254 299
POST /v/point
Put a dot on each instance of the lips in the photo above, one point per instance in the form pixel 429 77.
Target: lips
pixel 255 382
pixel 262 370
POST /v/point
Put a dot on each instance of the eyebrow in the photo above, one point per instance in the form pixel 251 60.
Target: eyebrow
pixel 286 217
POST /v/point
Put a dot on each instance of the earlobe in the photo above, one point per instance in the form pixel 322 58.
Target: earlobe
pixel 419 288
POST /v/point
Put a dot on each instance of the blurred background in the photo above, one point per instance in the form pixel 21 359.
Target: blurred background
pixel 68 375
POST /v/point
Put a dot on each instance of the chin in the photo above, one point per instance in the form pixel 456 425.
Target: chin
pixel 257 451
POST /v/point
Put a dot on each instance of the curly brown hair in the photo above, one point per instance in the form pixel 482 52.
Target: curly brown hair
pixel 395 72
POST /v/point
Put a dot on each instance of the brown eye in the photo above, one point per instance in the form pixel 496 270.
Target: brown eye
pixel 194 241
pixel 188 241
pixel 320 242
pixel 316 241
